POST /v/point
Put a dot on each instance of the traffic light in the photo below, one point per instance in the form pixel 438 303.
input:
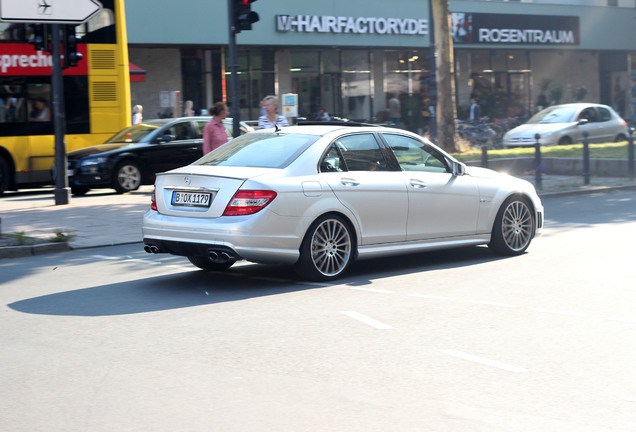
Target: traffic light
pixel 244 17
pixel 37 36
pixel 70 41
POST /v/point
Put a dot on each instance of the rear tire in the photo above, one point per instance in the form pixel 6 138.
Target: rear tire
pixel 620 138
pixel 327 249
pixel 127 177
pixel 514 227
pixel 204 263
pixel 79 191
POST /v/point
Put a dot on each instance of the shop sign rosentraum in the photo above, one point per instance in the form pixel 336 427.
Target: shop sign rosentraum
pixel 352 25
pixel 480 28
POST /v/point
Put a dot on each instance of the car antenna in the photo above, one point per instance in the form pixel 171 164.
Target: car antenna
pixel 277 129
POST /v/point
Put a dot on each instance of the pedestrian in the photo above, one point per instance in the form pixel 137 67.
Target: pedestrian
pixel 271 117
pixel 474 112
pixel 395 110
pixel 40 110
pixel 137 114
pixel 323 115
pixel 214 134
pixel 187 109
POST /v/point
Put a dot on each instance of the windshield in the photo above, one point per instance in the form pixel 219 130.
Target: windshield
pixel 133 134
pixel 262 150
pixel 554 115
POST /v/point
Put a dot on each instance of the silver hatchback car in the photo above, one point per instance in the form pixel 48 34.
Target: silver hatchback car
pixel 566 124
pixel 320 196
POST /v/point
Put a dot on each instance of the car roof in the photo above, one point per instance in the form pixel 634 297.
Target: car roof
pixel 324 128
pixel 580 105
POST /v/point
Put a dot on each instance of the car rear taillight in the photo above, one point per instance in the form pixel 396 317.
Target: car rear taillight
pixel 153 198
pixel 247 202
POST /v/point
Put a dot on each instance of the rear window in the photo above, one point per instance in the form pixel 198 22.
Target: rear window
pixel 260 150
pixel 133 134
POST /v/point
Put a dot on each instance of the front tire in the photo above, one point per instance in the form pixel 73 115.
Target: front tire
pixel 204 263
pixel 5 175
pixel 327 249
pixel 514 227
pixel 565 141
pixel 127 177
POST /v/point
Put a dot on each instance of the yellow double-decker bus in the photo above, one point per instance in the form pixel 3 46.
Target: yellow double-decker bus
pixel 96 95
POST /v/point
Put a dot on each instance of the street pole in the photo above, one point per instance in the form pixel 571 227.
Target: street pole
pixel 235 109
pixel 62 191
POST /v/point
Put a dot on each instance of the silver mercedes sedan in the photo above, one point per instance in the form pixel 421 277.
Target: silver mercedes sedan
pixel 321 196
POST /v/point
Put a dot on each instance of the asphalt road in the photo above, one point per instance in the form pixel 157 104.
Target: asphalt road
pixel 115 339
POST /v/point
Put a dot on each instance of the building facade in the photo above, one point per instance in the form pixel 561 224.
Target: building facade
pixel 514 56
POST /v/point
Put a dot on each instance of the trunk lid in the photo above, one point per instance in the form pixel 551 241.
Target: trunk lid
pixel 200 191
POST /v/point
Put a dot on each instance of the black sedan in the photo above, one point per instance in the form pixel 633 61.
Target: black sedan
pixel 134 155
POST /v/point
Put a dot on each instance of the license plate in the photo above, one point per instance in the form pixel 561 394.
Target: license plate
pixel 70 173
pixel 191 199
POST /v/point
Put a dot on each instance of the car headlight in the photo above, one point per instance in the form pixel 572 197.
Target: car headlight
pixel 92 161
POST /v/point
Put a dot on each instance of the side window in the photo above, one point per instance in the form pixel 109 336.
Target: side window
pixel 332 161
pixel 604 114
pixel 589 114
pixel 362 153
pixel 413 155
pixel 178 132
pixel 199 125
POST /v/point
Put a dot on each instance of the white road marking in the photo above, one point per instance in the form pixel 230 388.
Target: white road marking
pixel 372 290
pixel 623 320
pixel 485 361
pixel 105 257
pixel 180 267
pixel 367 320
pixel 504 305
pixel 432 297
pixel 144 261
pixel 559 312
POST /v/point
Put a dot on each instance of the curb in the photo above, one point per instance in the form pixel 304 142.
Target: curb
pixel 591 190
pixel 31 250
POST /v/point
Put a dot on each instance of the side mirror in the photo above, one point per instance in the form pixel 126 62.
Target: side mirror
pixel 583 121
pixel 459 169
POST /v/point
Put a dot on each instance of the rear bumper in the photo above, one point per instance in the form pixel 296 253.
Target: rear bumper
pixel 233 235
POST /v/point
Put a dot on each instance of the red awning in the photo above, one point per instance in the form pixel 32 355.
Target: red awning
pixel 137 74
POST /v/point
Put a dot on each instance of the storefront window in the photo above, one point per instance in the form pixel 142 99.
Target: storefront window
pixel 356 85
pixel 501 82
pixel 406 77
pixel 305 76
pixel 256 77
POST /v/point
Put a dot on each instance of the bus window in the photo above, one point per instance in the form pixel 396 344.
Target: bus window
pixel 96 97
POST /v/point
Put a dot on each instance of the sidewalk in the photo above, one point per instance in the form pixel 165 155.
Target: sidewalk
pixel 104 218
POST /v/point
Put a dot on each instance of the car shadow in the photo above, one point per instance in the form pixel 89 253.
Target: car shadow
pixel 199 288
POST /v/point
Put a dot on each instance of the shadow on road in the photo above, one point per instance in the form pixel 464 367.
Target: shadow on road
pixel 197 288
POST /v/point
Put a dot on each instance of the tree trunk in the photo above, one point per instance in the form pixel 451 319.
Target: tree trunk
pixel 446 110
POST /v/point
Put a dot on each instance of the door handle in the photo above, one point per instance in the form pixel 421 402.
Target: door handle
pixel 418 184
pixel 349 181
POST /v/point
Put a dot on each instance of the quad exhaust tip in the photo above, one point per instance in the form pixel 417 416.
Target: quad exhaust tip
pixel 150 248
